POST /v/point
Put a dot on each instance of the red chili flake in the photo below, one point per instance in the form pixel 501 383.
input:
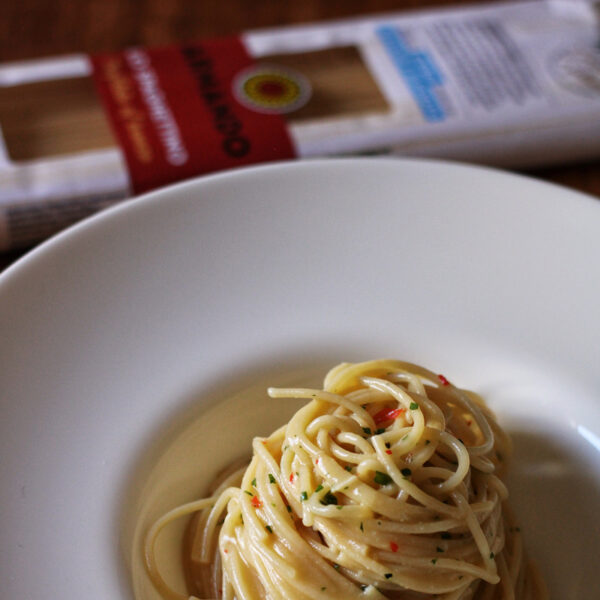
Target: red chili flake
pixel 388 451
pixel 256 502
pixel 387 414
pixel 317 461
pixel 393 547
pixel 264 442
pixel 443 380
pixel 291 478
pixel 225 550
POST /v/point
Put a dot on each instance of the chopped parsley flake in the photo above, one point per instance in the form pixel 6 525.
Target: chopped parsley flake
pixel 491 555
pixel 414 406
pixel 348 468
pixel 367 430
pixel 406 472
pixel 433 561
pixel 387 444
pixel 254 482
pixel 271 478
pixel 249 493
pixel 269 528
pixel 288 507
pixel 380 430
pixel 318 488
pixel 382 478
pixel 336 566
pixel 361 526
pixel 329 498
pixel 303 496
pixel 388 575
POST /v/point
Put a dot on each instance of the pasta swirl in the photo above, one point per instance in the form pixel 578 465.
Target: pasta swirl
pixel 386 484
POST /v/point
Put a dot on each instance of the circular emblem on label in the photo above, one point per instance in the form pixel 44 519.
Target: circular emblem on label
pixel 271 89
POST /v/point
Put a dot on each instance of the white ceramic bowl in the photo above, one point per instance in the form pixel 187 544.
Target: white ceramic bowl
pixel 116 335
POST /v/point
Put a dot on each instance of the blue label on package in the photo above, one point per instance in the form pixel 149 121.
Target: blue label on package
pixel 419 71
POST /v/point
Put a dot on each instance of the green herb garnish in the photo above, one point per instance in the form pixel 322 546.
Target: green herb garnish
pixel 329 498
pixel 382 478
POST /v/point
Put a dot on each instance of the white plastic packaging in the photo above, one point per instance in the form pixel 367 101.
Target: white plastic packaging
pixel 507 84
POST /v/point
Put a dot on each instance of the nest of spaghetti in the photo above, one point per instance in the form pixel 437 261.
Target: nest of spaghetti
pixel 386 484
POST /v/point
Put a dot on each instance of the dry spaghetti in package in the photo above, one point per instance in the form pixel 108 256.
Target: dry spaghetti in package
pixel 510 84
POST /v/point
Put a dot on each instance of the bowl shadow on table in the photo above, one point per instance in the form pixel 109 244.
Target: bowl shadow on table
pixel 555 494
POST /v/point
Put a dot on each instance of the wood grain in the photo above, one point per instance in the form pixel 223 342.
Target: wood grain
pixel 35 28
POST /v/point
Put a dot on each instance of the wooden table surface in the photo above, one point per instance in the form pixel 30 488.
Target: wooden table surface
pixel 36 28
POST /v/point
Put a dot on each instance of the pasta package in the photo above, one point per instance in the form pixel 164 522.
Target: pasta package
pixel 387 483
pixel 512 84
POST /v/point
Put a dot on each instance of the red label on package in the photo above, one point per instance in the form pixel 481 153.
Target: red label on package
pixel 175 112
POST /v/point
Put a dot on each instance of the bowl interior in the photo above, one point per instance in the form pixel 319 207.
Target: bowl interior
pixel 128 328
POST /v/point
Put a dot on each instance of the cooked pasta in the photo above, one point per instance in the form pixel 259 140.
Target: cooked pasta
pixel 386 484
